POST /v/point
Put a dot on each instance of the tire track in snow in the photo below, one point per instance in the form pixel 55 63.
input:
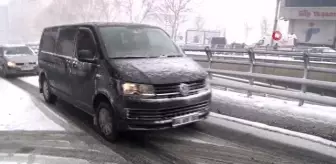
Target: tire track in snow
pixel 175 147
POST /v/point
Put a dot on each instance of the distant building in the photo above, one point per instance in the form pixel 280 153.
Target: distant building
pixel 312 21
pixel 3 24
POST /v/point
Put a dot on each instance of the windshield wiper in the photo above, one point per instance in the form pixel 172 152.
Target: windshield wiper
pixel 171 54
pixel 129 57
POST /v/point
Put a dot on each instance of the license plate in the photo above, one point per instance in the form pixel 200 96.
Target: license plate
pixel 182 120
pixel 27 68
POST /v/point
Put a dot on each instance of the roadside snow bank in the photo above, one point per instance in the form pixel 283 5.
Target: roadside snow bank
pixel 311 119
pixel 18 112
pixel 33 80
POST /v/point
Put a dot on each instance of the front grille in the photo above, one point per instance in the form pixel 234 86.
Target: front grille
pixel 168 113
pixel 173 90
pixel 21 64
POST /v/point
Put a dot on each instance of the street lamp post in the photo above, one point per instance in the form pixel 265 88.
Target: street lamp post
pixel 276 17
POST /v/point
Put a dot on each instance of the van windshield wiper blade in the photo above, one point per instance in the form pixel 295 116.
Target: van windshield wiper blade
pixel 171 54
pixel 129 57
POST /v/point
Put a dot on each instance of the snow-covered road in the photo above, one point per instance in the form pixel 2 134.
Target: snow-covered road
pixel 19 110
pixel 72 130
pixel 311 119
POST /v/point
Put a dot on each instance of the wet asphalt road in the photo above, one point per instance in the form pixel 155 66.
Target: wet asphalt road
pixel 182 145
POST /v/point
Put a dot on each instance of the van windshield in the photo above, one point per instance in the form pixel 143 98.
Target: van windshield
pixel 138 42
pixel 17 51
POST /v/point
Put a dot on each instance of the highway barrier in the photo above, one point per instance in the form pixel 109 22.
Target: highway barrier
pixel 306 67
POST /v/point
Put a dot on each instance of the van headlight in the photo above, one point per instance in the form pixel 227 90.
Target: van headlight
pixel 138 89
pixel 11 64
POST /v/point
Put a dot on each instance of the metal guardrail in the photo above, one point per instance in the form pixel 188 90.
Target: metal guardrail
pixel 251 75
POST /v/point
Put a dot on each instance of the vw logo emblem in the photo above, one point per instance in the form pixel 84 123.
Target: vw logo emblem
pixel 184 89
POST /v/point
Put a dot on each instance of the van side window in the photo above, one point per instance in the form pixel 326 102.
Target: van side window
pixel 66 42
pixel 85 41
pixel 48 41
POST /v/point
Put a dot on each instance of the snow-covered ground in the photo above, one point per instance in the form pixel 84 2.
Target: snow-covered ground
pixel 19 112
pixel 263 103
pixel 311 119
pixel 260 57
pixel 265 57
pixel 245 56
pixel 33 80
pixel 325 113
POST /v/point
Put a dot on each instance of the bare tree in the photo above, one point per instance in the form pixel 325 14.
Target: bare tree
pixel 129 5
pixel 66 11
pixel 247 29
pixel 265 26
pixel 199 23
pixel 139 10
pixel 72 11
pixel 172 14
pixel 109 9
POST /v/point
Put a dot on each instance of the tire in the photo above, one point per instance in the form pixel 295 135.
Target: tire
pixel 3 72
pixel 106 124
pixel 47 95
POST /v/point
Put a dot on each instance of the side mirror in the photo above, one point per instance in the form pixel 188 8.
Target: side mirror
pixel 86 56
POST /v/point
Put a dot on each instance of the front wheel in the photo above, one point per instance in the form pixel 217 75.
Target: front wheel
pixel 47 95
pixel 106 123
pixel 3 72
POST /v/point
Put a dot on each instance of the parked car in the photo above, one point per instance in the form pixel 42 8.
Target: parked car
pixel 127 76
pixel 218 42
pixel 321 50
pixel 34 46
pixel 17 60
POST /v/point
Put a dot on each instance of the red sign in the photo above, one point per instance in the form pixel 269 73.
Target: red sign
pixel 306 13
pixel 276 35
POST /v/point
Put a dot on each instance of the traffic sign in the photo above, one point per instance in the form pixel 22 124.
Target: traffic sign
pixel 276 35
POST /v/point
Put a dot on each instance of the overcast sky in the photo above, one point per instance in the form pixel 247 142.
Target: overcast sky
pixel 2 2
pixel 231 15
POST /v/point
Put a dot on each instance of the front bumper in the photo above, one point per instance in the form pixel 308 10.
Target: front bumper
pixel 158 114
pixel 20 71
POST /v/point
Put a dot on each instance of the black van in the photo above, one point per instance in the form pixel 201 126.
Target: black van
pixel 127 76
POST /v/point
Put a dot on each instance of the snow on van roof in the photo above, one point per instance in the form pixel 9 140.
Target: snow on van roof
pixel 14 45
pixel 33 43
pixel 322 47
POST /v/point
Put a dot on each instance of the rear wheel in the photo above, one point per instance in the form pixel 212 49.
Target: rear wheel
pixel 106 122
pixel 47 95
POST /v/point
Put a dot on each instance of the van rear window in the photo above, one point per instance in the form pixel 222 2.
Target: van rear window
pixel 48 41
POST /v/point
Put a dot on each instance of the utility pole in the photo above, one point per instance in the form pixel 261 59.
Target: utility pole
pixel 276 18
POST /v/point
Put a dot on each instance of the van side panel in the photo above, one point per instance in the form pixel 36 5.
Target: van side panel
pixel 46 59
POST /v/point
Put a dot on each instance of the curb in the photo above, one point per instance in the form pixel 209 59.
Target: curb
pixel 262 126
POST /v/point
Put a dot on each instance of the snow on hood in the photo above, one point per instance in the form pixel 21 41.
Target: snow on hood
pixel 38 159
pixel 21 58
pixel 159 70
